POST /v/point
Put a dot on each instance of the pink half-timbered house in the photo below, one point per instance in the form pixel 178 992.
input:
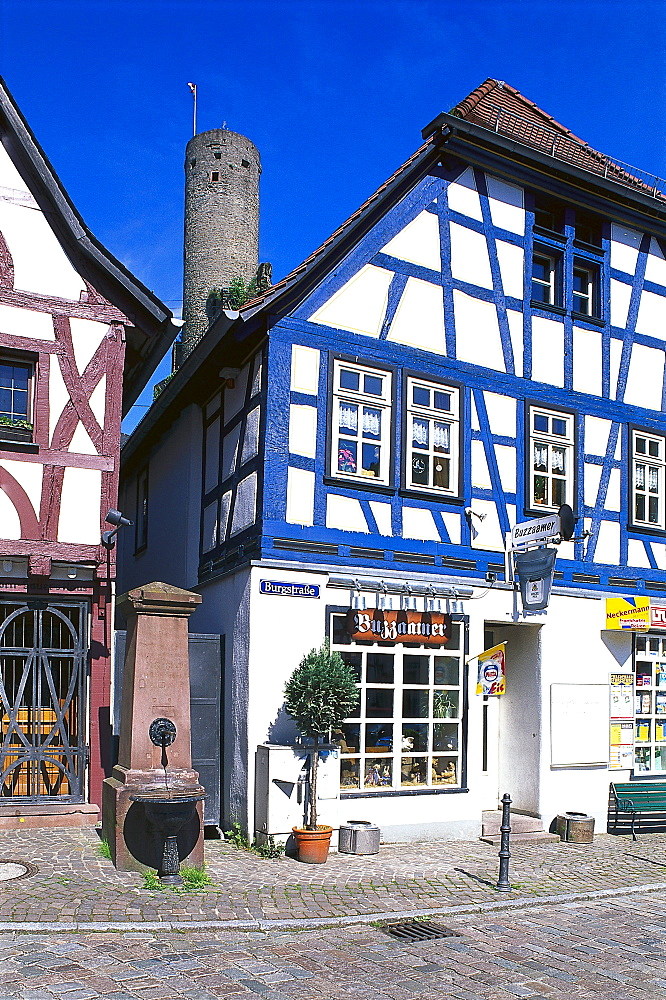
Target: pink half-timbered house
pixel 77 334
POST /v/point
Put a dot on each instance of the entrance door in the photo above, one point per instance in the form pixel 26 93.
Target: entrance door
pixel 43 666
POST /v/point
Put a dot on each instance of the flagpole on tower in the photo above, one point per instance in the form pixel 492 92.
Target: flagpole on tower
pixel 193 88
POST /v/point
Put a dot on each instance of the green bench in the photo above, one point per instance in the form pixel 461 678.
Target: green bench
pixel 636 798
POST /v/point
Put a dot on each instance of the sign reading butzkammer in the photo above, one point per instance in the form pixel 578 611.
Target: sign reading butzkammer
pixel 425 627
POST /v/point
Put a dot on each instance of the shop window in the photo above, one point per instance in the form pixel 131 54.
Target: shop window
pixel 407 730
pixel 433 437
pixel 16 399
pixel 361 423
pixel 650 704
pixel 551 458
pixel 141 529
pixel 647 501
pixel 546 285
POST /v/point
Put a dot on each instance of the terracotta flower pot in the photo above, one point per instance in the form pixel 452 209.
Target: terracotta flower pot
pixel 313 845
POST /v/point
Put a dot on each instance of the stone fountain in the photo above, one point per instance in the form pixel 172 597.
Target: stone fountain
pixel 152 814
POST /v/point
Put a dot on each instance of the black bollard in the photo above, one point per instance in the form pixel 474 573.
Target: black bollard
pixel 503 884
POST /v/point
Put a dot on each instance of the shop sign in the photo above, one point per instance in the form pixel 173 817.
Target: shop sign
pixel 657 617
pixel 535 532
pixel 278 589
pixel 630 614
pixel 427 628
pixel 492 671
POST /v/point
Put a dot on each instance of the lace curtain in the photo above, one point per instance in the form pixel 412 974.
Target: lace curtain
pixel 348 417
pixel 442 437
pixel 371 422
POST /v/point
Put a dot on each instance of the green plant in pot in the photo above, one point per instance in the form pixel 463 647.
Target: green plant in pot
pixel 319 695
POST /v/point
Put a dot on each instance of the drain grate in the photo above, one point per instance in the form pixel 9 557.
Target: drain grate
pixel 419 930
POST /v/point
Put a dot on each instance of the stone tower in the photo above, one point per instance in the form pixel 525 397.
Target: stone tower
pixel 222 172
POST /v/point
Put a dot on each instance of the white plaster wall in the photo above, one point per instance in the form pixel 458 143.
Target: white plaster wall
pixel 234 396
pixel 613 491
pixel 10 525
pixel 506 205
pixel 469 256
pixel 547 351
pixel 87 335
pixel 300 496
pixel 608 543
pixel 419 318
pixel 511 264
pixel 477 332
pixel 29 475
pixel 452 522
pixel 174 473
pixel 587 361
pixel 651 319
pixel 636 555
pixel 517 337
pixel 9 175
pixel 303 430
pixel 625 244
pixel 251 438
pixel 97 401
pixel 418 242
pixel 620 297
pixel 80 507
pixel 486 534
pixel 596 435
pixel 245 507
pixel 480 473
pixel 506 463
pixel 615 359
pixel 463 196
pixel 345 513
pixel 81 443
pixel 230 444
pixel 40 263
pixel 655 268
pixel 360 304
pixel 58 394
pixel 591 480
pixel 304 369
pixel 646 377
pixel 26 323
pixel 418 522
pixel 382 514
pixel 501 412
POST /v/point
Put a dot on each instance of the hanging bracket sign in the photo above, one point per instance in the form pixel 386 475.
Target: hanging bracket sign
pixel 536 532
pixel 427 628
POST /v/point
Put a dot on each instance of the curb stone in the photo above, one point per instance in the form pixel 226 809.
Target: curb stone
pixel 261 925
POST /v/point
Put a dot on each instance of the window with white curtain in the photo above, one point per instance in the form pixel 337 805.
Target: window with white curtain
pixel 551 458
pixel 433 413
pixel 648 480
pixel 361 422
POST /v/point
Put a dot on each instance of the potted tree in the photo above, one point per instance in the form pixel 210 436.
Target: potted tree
pixel 320 693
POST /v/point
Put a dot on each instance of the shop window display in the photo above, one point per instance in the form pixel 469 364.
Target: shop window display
pixel 407 731
pixel 650 703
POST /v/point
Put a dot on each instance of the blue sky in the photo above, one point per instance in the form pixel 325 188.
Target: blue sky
pixel 333 92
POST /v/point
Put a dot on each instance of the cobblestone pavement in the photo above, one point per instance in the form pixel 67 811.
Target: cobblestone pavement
pixel 75 886
pixel 613 949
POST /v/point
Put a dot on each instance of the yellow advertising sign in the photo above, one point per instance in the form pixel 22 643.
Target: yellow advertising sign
pixel 631 614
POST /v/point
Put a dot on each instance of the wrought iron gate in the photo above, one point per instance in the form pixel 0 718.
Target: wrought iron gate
pixel 43 672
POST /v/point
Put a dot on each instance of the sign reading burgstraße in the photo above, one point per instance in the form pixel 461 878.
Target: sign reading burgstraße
pixel 278 589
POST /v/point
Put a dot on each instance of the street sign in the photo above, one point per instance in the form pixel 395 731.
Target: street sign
pixel 536 532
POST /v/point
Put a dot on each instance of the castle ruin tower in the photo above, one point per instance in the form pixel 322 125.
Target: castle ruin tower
pixel 222 172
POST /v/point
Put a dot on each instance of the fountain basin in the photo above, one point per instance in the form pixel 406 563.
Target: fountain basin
pixel 168 810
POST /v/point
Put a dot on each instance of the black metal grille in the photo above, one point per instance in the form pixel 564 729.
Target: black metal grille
pixel 419 930
pixel 43 660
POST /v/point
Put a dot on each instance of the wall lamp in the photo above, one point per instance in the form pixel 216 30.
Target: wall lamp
pixel 114 517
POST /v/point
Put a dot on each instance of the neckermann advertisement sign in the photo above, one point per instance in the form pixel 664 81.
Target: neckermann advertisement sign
pixel 428 628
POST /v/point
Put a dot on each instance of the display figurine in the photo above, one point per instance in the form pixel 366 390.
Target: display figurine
pixel 372 777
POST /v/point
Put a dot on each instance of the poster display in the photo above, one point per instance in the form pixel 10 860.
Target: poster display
pixel 622 705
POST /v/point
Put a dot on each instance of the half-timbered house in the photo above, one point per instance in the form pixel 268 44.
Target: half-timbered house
pixel 78 337
pixel 481 343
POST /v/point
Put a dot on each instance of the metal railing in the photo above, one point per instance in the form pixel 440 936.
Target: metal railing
pixel 561 147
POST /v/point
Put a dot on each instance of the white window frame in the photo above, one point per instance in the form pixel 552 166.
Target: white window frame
pixel 443 722
pixel 648 463
pixel 362 400
pixel 432 416
pixel 550 441
pixel 551 282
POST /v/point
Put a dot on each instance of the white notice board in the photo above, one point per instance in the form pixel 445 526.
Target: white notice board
pixel 578 724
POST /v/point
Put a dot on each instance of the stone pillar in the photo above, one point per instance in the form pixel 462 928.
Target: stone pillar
pixel 156 684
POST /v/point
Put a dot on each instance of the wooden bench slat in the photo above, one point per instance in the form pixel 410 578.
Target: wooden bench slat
pixel 635 798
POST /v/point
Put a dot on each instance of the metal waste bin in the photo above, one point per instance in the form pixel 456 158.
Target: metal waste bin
pixel 575 828
pixel 358 836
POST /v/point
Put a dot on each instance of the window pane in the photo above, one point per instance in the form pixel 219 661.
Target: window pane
pixel 348 418
pixel 351 740
pixel 420 470
pixel 442 401
pixel 442 437
pixel 640 445
pixel 560 426
pixel 541 268
pixel 639 477
pixel 415 704
pixel 580 280
pixel 380 668
pixel 446 670
pixel 352 660
pixel 341 636
pixel 420 433
pixel 444 771
pixel 415 669
pixel 372 423
pixel 653 448
pixel 540 490
pixel 5 376
pixel 559 492
pixel 540 457
pixel 415 737
pixel 347 456
pixel 445 736
pixel 370 460
pixel 421 396
pixel 378 773
pixel 541 293
pixel 441 472
pixel 378 739
pixel 5 401
pixel 653 507
pixel 413 771
pixel 558 460
pixel 540 422
pixel 445 704
pixel 349 774
pixel 640 508
pixel 378 703
pixel 349 379
pixel 372 385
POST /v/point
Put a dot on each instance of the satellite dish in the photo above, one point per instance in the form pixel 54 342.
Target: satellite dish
pixel 567 522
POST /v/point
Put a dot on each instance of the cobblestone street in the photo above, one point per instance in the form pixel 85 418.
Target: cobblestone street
pixel 606 949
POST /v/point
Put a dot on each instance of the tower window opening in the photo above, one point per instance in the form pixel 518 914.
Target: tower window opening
pixel 193 163
pixel 245 163
pixel 215 175
pixel 218 156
